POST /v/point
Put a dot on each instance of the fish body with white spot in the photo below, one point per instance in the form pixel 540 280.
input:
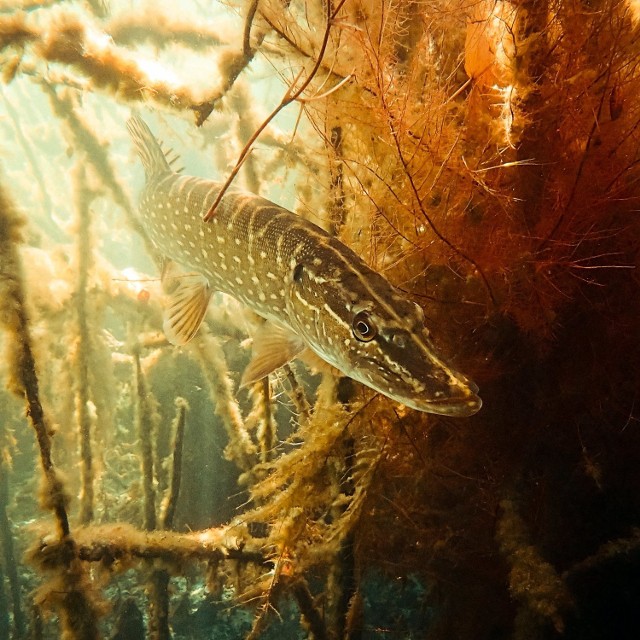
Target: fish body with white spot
pixel 315 291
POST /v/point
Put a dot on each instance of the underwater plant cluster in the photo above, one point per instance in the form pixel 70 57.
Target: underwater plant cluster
pixel 484 157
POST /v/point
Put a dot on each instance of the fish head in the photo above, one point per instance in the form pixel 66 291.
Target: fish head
pixel 368 330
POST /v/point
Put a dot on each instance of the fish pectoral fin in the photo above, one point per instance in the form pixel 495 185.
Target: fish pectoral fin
pixel 171 275
pixel 273 347
pixel 165 267
pixel 185 308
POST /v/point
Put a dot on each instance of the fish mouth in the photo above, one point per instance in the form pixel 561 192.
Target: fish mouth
pixel 458 407
pixel 461 408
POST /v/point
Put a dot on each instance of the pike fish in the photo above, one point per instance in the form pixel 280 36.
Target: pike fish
pixel 317 295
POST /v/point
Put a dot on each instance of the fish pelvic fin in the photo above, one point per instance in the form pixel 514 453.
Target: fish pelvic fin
pixel 148 148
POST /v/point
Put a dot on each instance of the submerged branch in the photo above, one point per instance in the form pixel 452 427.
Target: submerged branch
pixel 10 6
pixel 533 581
pixel 145 418
pixel 308 608
pixel 246 38
pixel 298 40
pixel 24 379
pixel 232 64
pixel 162 30
pixel 9 561
pixel 76 44
pixel 241 449
pixel 15 32
pixel 298 396
pixel 267 428
pixel 79 44
pixel 83 197
pixel 176 469
pixel 67 591
pixel 111 542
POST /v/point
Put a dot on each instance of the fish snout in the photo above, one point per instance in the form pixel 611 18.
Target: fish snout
pixel 448 392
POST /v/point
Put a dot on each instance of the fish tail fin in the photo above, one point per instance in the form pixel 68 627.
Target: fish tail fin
pixel 148 148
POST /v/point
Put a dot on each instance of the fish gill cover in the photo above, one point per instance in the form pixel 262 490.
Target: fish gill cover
pixel 483 158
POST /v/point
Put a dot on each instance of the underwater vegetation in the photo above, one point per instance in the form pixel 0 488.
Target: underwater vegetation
pixel 483 156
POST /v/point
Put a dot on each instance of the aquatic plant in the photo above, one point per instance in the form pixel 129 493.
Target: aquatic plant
pixel 483 156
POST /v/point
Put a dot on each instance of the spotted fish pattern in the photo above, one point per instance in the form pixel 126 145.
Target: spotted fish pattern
pixel 315 292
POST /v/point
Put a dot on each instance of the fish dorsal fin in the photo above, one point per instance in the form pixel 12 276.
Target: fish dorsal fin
pixel 148 148
pixel 172 157
pixel 273 347
pixel 185 307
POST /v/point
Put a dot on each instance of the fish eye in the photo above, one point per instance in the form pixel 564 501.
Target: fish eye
pixel 363 327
